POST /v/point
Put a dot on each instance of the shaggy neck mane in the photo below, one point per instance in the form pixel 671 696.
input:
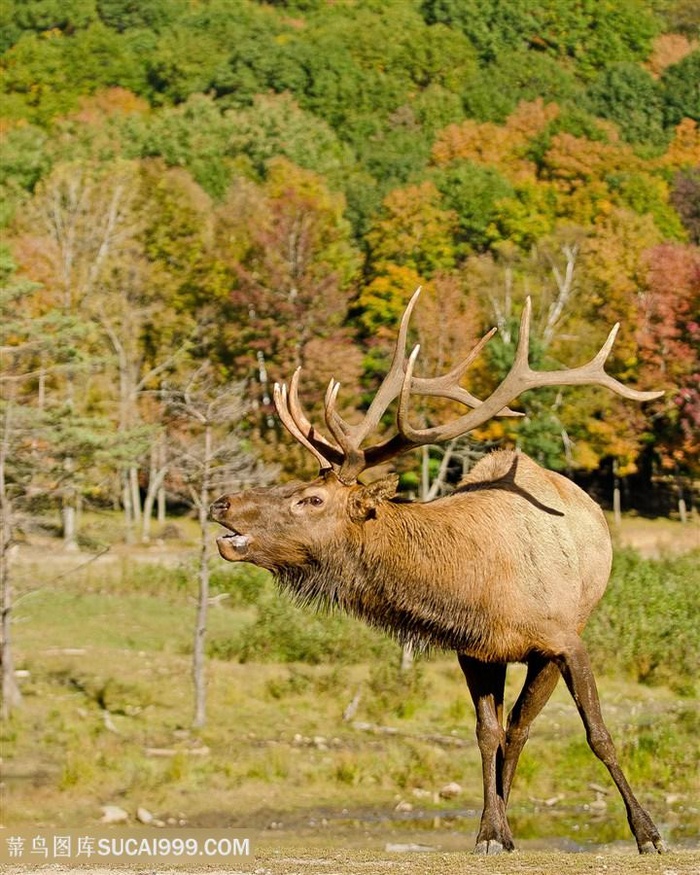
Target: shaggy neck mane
pixel 394 590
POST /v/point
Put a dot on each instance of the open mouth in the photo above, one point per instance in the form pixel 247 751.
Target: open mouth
pixel 236 540
pixel 233 545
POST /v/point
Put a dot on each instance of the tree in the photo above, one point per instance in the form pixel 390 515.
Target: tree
pixel 285 261
pixel 498 87
pixel 210 456
pixel 679 84
pixel 668 335
pixel 45 74
pixel 685 197
pixel 591 33
pixel 413 230
pixel 473 193
pixel 628 95
pixel 46 449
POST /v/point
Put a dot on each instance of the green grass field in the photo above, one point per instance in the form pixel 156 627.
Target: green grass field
pixel 105 659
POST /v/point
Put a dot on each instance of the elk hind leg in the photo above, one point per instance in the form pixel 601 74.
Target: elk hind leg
pixel 542 677
pixel 486 682
pixel 575 666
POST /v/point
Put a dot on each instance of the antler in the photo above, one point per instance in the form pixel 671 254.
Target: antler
pixel 519 379
pixel 348 458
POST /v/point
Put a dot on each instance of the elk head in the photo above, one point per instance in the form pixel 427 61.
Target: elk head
pixel 296 524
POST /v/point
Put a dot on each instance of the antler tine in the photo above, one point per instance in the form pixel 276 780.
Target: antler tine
pixel 282 407
pixel 594 373
pixel 405 429
pixel 301 420
pixel 391 384
pixel 334 420
pixel 447 386
pixel 350 437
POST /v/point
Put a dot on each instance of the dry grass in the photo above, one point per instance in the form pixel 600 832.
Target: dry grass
pixel 272 859
pixel 656 537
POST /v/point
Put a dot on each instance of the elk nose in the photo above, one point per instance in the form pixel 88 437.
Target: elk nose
pixel 220 506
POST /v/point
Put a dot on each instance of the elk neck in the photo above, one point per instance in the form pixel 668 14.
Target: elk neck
pixel 406 571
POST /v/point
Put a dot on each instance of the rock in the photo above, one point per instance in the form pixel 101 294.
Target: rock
pixel 403 806
pixel 553 800
pixel 451 790
pixel 113 814
pixel 143 815
pixel 421 794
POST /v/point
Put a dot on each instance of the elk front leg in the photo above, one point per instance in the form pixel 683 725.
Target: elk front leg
pixel 576 670
pixel 486 684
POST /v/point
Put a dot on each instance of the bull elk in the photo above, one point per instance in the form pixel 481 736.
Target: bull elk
pixel 505 569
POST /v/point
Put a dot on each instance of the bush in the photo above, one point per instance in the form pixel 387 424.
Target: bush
pixel 647 623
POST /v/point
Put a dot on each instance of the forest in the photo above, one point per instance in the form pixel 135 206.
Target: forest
pixel 199 196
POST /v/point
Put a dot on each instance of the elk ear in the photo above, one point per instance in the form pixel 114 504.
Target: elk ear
pixel 365 499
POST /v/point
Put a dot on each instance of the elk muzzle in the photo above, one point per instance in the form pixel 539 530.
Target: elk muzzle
pixel 233 546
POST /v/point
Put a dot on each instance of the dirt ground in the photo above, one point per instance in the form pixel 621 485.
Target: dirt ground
pixel 304 861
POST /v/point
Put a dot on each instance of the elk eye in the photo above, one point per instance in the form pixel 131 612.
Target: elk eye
pixel 315 500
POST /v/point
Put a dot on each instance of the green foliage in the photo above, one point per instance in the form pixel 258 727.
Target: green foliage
pixel 44 15
pixel 274 126
pixel 23 161
pixel 123 15
pixel 194 135
pixel 285 633
pixel 45 74
pixel 646 625
pixel 628 95
pixel 395 692
pixel 594 34
pixel 472 191
pixel 648 195
pixel 496 89
pixel 679 85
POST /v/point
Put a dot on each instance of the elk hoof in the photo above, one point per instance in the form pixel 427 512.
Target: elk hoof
pixel 489 847
pixel 656 846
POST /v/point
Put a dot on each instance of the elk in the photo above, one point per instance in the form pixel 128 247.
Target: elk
pixel 505 569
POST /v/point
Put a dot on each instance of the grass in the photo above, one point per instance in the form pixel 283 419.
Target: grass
pixel 107 655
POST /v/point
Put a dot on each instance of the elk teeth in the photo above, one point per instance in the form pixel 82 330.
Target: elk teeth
pixel 238 541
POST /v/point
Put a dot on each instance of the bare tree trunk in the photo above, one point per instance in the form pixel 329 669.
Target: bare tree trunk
pixel 565 288
pixel 161 506
pixel 68 519
pixel 682 508
pixel 128 509
pixel 617 509
pixel 424 472
pixel 156 475
pixel 135 494
pixel 11 696
pixel 198 655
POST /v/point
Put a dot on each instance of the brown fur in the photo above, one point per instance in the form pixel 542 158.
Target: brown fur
pixel 507 568
pixel 496 570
